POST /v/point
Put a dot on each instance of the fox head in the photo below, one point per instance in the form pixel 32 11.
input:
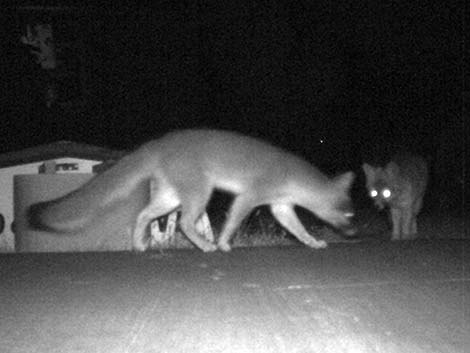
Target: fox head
pixel 381 183
pixel 336 207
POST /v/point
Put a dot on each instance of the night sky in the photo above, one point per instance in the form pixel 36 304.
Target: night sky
pixel 365 77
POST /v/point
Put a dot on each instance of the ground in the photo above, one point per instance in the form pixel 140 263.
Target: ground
pixel 370 296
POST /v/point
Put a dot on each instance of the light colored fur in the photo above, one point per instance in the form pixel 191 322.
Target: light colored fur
pixel 406 178
pixel 186 166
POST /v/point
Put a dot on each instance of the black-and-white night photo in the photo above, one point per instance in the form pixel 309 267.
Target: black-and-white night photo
pixel 235 176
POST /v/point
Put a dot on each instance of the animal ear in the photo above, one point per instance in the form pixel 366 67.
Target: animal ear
pixel 370 171
pixel 345 180
pixel 392 170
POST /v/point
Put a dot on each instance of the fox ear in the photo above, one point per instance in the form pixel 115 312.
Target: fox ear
pixel 392 170
pixel 369 171
pixel 345 180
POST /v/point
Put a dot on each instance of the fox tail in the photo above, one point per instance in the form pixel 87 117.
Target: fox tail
pixel 72 212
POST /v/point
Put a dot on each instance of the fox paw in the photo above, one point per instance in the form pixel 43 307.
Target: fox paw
pixel 318 244
pixel 209 247
pixel 225 247
pixel 140 246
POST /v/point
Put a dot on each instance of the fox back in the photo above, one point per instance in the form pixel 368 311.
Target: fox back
pixel 400 186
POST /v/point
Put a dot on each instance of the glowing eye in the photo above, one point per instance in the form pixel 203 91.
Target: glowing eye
pixel 386 193
pixel 374 193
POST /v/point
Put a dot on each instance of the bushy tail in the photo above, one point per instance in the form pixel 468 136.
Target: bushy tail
pixel 72 212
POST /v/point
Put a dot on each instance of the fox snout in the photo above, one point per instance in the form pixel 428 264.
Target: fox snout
pixel 349 231
pixel 343 220
pixel 380 205
pixel 348 227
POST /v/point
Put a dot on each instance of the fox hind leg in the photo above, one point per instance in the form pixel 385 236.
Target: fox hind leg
pixel 163 200
pixel 140 238
pixel 193 206
pixel 414 225
pixel 286 216
pixel 416 209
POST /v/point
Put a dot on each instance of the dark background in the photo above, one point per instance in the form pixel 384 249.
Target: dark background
pixel 337 82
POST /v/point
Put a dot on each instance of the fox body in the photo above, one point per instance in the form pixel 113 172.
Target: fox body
pixel 400 186
pixel 184 167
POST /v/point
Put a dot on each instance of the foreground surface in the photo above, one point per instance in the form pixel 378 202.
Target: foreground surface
pixel 365 297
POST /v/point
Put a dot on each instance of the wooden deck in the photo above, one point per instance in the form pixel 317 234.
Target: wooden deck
pixel 366 297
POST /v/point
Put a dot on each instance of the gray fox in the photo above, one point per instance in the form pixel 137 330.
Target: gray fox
pixel 186 166
pixel 400 186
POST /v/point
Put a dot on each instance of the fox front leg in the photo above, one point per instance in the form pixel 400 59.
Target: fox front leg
pixel 286 216
pixel 396 217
